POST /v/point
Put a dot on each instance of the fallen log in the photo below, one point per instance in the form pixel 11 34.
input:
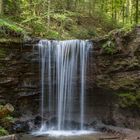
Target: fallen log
pixel 9 137
pixel 110 138
pixel 5 110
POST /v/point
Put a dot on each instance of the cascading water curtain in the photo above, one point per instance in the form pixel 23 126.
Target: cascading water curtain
pixel 63 66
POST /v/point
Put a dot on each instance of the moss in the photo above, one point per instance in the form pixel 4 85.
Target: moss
pixel 2 53
pixel 126 81
pixel 129 100
pixel 10 40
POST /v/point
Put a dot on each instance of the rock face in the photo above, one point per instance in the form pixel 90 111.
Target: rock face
pixel 19 79
pixel 115 75
pixel 113 79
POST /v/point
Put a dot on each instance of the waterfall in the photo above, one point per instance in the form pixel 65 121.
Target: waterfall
pixel 63 66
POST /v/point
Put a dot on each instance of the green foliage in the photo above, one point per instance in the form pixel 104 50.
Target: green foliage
pixel 3 132
pixel 60 17
pixel 130 100
pixel 70 18
pixel 1 106
pixel 8 27
pixel 35 24
pixel 9 119
pixel 109 47
pixel 5 123
pixel 52 34
pixel 127 28
pixel 79 32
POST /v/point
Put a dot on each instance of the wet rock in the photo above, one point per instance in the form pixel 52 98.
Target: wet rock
pixel 31 40
pixel 22 126
pixel 93 125
pixel 38 120
pixel 10 137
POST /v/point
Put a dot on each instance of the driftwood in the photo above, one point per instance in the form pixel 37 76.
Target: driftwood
pixel 9 137
pixel 5 110
pixel 110 138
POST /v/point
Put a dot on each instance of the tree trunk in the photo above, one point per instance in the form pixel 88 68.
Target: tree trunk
pixel 1 7
pixel 123 15
pixel 68 4
pixel 137 11
pixel 49 6
pixel 112 8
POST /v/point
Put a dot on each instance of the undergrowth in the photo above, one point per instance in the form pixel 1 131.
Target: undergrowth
pixel 63 25
pixel 3 131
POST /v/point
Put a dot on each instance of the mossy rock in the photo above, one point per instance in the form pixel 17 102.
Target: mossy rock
pixel 129 100
pixel 2 53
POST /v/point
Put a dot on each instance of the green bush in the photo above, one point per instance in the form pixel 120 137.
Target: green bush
pixel 109 47
pixel 10 25
pixel 3 132
pixel 79 32
pixel 52 34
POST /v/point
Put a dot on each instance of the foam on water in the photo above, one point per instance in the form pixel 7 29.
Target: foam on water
pixel 56 133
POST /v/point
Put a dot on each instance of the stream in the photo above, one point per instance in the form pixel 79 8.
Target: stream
pixel 96 136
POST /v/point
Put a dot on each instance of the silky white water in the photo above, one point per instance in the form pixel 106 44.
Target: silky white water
pixel 66 133
pixel 63 68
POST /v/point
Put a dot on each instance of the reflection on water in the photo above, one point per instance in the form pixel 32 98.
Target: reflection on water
pixel 83 137
pixel 96 136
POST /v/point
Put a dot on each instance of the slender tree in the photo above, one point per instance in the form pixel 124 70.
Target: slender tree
pixel 1 7
pixel 137 11
pixel 49 6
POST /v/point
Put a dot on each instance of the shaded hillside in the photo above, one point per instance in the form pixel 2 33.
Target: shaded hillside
pixel 63 26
